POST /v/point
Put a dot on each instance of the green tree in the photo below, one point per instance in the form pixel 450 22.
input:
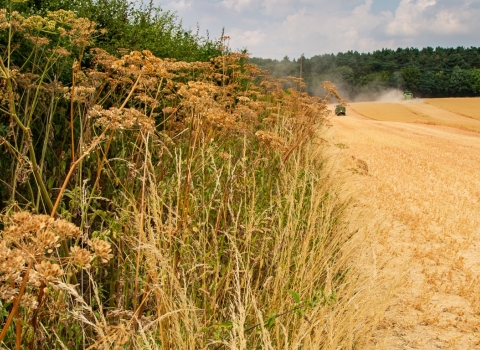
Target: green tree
pixel 427 86
pixel 427 71
pixel 411 77
pixel 442 84
pixel 344 75
pixel 475 76
pixel 459 84
pixel 396 80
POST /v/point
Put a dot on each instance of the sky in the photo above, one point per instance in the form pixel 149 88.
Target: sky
pixel 279 28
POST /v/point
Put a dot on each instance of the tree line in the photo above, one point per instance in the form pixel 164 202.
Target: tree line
pixel 427 72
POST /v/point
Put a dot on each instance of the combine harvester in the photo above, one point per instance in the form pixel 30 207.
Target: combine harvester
pixel 340 110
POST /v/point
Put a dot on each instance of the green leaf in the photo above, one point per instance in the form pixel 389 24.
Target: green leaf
pixel 63 165
pixel 294 296
pixel 226 325
pixel 50 183
pixel 271 321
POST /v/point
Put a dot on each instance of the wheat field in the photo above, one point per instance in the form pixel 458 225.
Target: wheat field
pixel 455 113
pixel 390 112
pixel 469 107
pixel 422 189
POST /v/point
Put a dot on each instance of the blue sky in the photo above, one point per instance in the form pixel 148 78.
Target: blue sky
pixel 276 28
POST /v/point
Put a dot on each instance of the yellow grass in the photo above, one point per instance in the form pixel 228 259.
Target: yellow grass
pixel 469 107
pixel 391 112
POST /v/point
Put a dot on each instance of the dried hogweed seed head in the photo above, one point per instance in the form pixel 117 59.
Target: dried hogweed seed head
pixel 243 99
pixel 44 220
pixel 47 240
pixel 25 226
pixel 271 139
pixel 29 301
pixel 12 263
pixel 7 293
pixel 225 155
pixel 37 40
pixel 20 217
pixel 102 249
pixel 81 257
pixel 66 229
pixel 48 271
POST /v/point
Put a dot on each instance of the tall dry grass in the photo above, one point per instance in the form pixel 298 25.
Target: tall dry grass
pixel 278 268
pixel 179 205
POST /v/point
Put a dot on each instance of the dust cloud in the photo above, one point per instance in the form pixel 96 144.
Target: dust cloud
pixel 392 96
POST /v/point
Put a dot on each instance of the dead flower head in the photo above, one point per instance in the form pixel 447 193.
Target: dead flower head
pixel 81 257
pixel 46 239
pixel 48 272
pixel 66 229
pixel 116 118
pixel 271 139
pixel 102 249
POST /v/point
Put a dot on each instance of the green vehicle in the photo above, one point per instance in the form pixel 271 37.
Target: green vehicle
pixel 407 95
pixel 340 110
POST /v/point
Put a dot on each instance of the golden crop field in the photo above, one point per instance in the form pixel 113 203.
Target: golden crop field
pixel 424 112
pixel 469 107
pixel 422 188
pixel 390 112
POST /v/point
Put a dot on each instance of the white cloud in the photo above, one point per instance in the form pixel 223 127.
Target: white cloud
pixel 278 7
pixel 240 39
pixel 363 9
pixel 275 28
pixel 180 5
pixel 240 5
pixel 333 33
pixel 408 17
pixel 274 8
pixel 417 18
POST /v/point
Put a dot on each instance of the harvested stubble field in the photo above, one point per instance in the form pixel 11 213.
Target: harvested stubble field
pixel 468 107
pixel 390 112
pixel 423 190
pixel 460 113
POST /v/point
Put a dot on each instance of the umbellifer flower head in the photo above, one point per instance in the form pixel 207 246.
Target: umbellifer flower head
pixel 48 271
pixel 102 249
pixel 81 257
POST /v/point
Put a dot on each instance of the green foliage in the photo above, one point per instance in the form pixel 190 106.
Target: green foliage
pixel 411 78
pixel 475 80
pixel 131 25
pixel 295 296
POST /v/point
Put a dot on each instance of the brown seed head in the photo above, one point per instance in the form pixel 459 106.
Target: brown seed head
pixel 66 229
pixel 48 271
pixel 102 249
pixel 81 257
